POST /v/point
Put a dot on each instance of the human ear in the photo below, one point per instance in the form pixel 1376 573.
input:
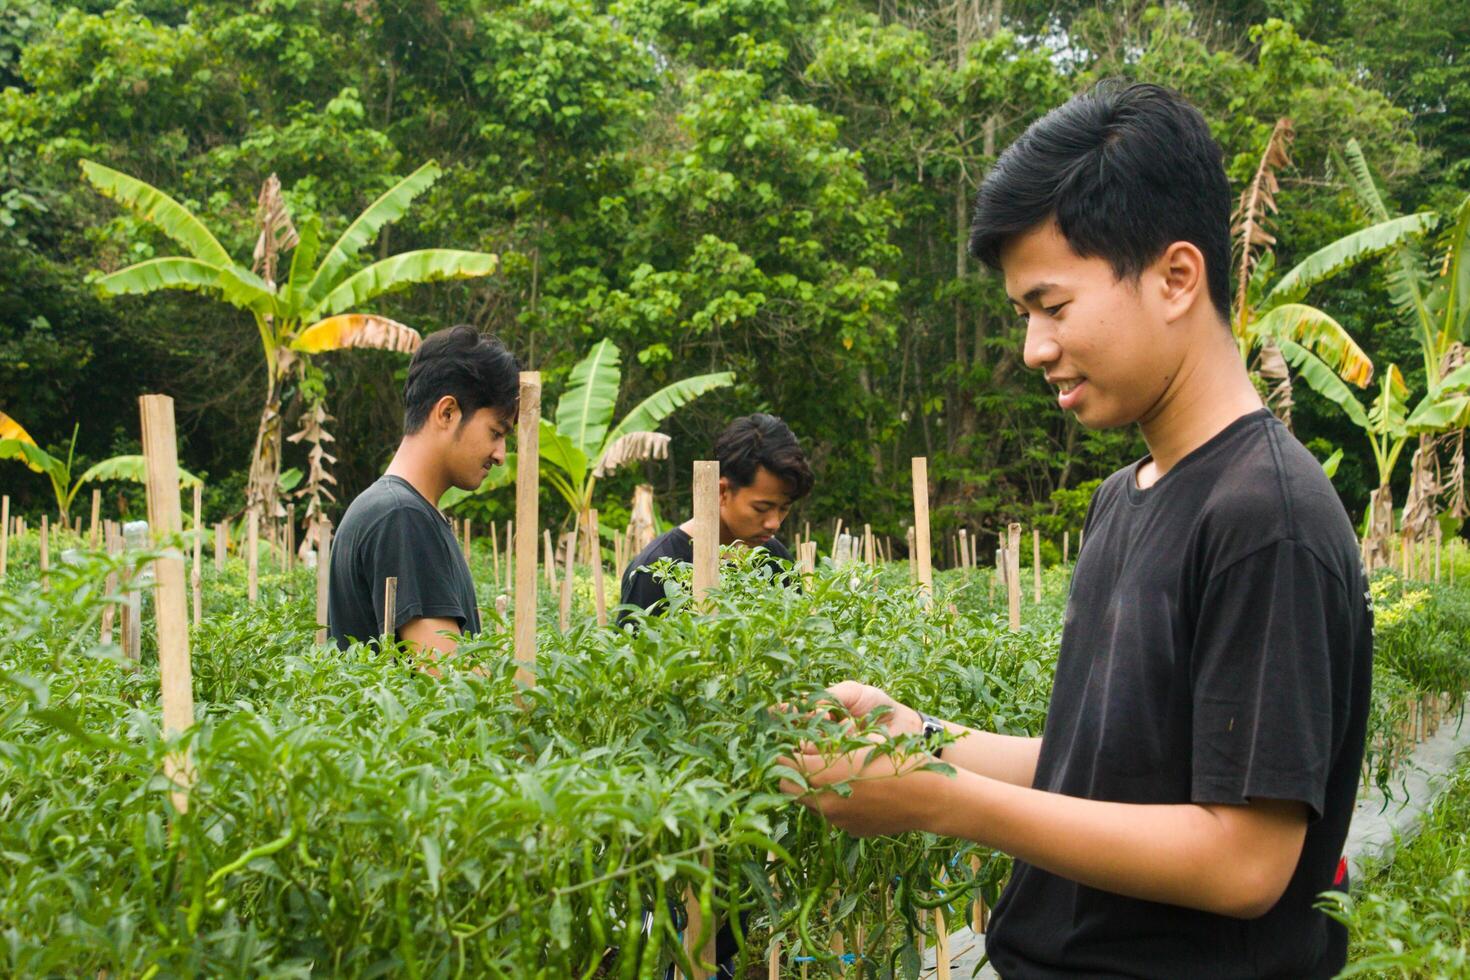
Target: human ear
pixel 1181 279
pixel 725 492
pixel 446 411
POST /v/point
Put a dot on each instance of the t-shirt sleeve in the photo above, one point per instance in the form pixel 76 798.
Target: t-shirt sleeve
pixel 405 543
pixel 639 588
pixel 1262 668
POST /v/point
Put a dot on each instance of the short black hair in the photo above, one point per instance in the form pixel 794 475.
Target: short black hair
pixel 1126 169
pixel 763 440
pixel 477 370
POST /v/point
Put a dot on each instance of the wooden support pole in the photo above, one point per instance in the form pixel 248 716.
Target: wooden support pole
pixel 941 946
pixel 693 914
pixel 1013 573
pixel 921 524
pixel 1036 561
pixel 1066 547
pixel 390 608
pixel 252 554
pixel 196 578
pixel 527 541
pixel 220 546
pixel 964 548
pixel 510 550
pixel 706 528
pixel 549 560
pixel 495 552
pixel 45 554
pixel 95 530
pixel 468 549
pixel 594 544
pixel 569 570
pixel 913 557
pixel 165 518
pixel 323 574
pixel 4 535
pixel 111 541
pixel 290 537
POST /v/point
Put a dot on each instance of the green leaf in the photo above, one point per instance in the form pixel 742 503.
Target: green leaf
pixel 499 476
pixel 1438 414
pixel 647 414
pixel 32 455
pixel 1322 335
pixel 172 272
pixel 558 450
pixel 303 257
pixel 424 265
pixel 1323 380
pixel 1344 253
pixel 365 227
pixel 133 469
pixel 1331 463
pixel 586 407
pixel 159 210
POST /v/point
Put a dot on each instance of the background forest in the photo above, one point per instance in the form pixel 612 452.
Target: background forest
pixel 776 188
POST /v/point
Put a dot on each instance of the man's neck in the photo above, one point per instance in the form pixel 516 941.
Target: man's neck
pixel 421 472
pixel 1211 391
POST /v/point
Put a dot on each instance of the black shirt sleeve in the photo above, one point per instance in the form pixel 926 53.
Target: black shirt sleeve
pixel 1264 678
pixel 639 588
pixel 405 543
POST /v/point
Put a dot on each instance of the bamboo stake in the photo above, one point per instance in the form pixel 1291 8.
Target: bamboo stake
pixel 45 557
pixel 921 524
pixel 252 554
pixel 96 517
pixel 323 574
pixel 109 611
pixel 160 452
pixel 1036 561
pixel 706 528
pixel 594 543
pixel 510 551
pixel 220 546
pixel 1066 547
pixel 468 548
pixel 870 554
pixel 495 552
pixel 1013 573
pixel 528 447
pixel 290 537
pixel 549 560
pixel 941 946
pixel 196 578
pixel 913 557
pixel 569 541
pixel 964 548
pixel 390 608
pixel 4 535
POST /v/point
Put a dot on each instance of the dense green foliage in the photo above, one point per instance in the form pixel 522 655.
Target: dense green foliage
pixel 353 816
pixel 774 189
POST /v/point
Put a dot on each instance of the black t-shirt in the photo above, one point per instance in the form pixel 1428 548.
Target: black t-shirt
pixel 1217 647
pixel 391 530
pixel 639 588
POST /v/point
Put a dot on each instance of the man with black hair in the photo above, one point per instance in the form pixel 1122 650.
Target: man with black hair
pixel 763 472
pixel 459 404
pixel 1190 795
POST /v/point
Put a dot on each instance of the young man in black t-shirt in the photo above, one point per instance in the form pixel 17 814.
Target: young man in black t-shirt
pixel 459 404
pixel 763 472
pixel 1189 797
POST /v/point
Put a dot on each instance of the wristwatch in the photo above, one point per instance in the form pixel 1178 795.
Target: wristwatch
pixel 933 732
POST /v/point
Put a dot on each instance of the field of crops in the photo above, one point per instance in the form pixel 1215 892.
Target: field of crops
pixel 353 816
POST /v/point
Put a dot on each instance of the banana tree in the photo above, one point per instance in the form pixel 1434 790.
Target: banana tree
pixel 1269 312
pixel 16 443
pixel 581 445
pixel 1389 424
pixel 1434 297
pixel 309 311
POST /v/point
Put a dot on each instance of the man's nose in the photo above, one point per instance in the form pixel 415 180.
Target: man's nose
pixel 1041 346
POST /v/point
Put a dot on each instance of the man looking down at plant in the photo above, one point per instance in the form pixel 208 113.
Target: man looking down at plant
pixel 763 472
pixel 1191 791
pixel 459 404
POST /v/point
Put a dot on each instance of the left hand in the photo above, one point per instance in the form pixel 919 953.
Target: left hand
pixel 889 793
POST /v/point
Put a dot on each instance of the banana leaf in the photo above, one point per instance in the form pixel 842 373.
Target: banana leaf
pixel 171 272
pixel 424 265
pixel 1344 253
pixel 1322 335
pixel 159 210
pixel 357 330
pixel 647 414
pixel 586 407
pixel 558 449
pixel 1323 380
pixel 365 227
pixel 32 455
pixel 11 429
pixel 134 469
pixel 499 476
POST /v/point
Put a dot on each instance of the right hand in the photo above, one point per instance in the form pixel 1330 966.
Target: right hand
pixel 861 700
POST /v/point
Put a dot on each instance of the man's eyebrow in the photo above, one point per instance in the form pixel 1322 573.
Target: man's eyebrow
pixel 1034 293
